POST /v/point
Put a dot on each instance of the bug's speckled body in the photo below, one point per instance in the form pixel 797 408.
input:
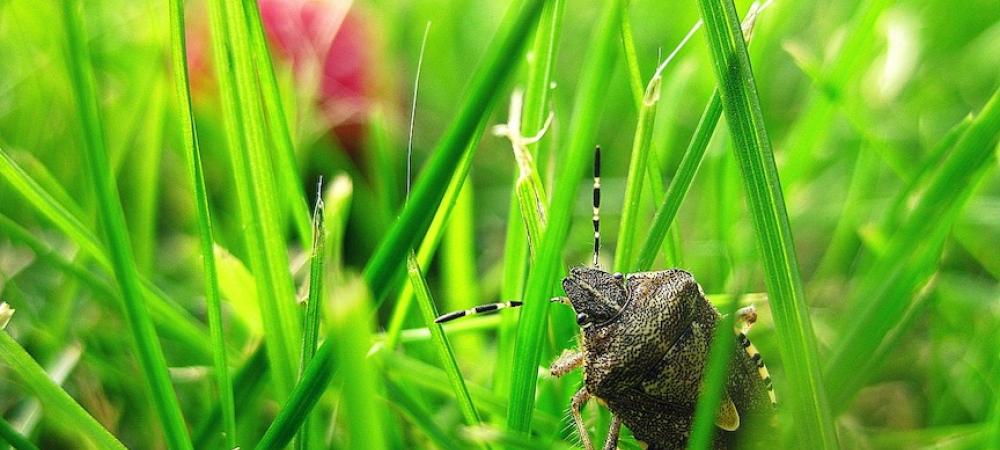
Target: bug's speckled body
pixel 646 339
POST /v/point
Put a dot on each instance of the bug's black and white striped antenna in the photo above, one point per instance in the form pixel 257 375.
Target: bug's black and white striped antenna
pixel 597 206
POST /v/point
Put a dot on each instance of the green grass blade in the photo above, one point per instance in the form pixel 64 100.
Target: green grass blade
pixel 206 234
pixel 497 67
pixel 427 248
pixel 255 185
pixel 173 320
pixel 714 380
pixel 9 435
pixel 636 172
pixel 936 211
pixel 147 347
pixel 280 136
pixel 351 322
pixel 421 419
pixel 680 183
pixel 537 106
pixel 596 72
pixel 317 283
pixel 53 398
pixel 740 101
pixel 445 353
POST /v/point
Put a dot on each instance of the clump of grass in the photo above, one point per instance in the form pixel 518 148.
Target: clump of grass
pixel 872 151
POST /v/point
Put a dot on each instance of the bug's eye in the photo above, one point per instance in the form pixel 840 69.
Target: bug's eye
pixel 582 319
pixel 619 276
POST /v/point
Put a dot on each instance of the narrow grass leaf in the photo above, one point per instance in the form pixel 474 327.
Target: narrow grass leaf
pixel 9 435
pixel 636 172
pixel 317 284
pixel 206 235
pixel 288 181
pixel 713 384
pixel 351 322
pixel 255 187
pixel 53 398
pixel 537 108
pixel 147 346
pixel 446 355
pixel 596 73
pixel 168 316
pixel 680 184
pixel 741 103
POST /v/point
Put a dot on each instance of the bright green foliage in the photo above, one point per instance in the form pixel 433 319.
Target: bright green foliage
pixel 158 160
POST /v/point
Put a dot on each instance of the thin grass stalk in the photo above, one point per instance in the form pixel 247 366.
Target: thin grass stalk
pixel 531 197
pixel 206 234
pixel 426 251
pixel 248 381
pixel 317 282
pixel 714 381
pixel 680 184
pixel 351 323
pixel 288 181
pixel 636 171
pixel 632 61
pixel 446 354
pixel 690 162
pixel 417 415
pixel 9 435
pixel 147 346
pixel 537 108
pixel 596 73
pixel 253 174
pixel 741 103
pixel 937 210
pixel 426 196
pixel 53 398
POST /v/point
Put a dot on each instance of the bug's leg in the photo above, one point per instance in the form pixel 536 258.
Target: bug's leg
pixel 616 427
pixel 568 361
pixel 762 371
pixel 745 318
pixel 579 399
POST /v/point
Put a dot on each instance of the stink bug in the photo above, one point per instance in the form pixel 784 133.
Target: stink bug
pixel 645 342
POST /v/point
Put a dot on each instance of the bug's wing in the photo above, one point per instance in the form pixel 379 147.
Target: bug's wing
pixel 728 418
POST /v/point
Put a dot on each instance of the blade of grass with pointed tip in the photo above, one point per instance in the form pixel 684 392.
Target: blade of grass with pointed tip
pixel 53 398
pixel 317 281
pixel 496 68
pixel 427 249
pixel 147 345
pixel 595 77
pixel 445 353
pixel 636 172
pixel 681 182
pixel 206 235
pixel 741 104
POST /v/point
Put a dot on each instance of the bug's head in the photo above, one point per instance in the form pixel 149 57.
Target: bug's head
pixel 596 296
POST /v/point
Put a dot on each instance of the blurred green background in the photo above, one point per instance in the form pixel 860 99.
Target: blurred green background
pixel 863 102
